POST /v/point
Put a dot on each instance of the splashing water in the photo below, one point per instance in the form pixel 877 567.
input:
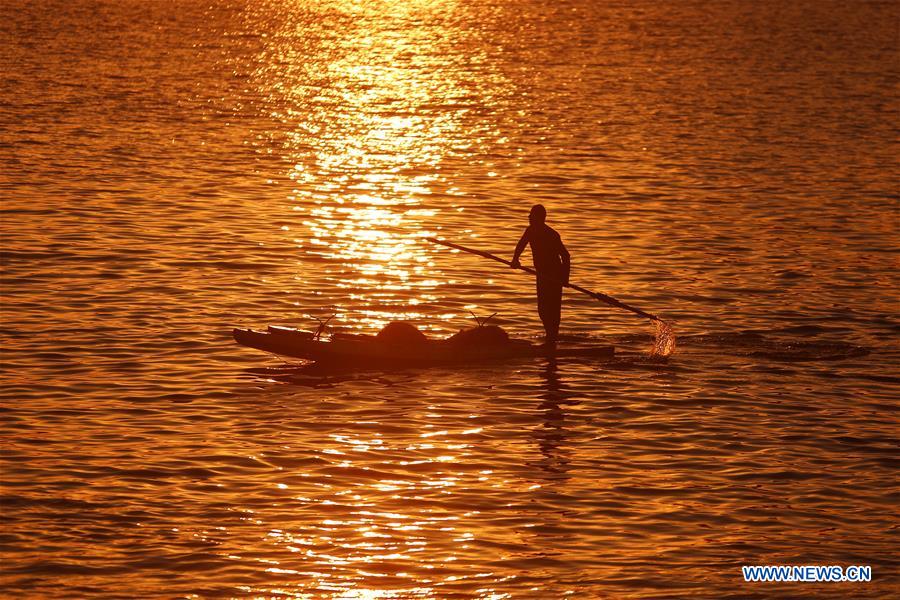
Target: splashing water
pixel 664 341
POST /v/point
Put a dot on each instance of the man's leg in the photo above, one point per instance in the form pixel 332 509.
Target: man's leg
pixel 549 292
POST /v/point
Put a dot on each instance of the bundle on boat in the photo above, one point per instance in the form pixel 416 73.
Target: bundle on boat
pixel 401 344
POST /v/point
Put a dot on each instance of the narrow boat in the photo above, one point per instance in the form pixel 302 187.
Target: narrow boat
pixel 401 345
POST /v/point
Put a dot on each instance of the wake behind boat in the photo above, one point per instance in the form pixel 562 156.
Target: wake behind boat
pixel 400 344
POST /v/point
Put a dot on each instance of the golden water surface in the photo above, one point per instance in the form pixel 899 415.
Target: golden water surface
pixel 169 171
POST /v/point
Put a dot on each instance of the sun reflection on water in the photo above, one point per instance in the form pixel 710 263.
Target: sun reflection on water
pixel 372 533
pixel 365 150
pixel 366 147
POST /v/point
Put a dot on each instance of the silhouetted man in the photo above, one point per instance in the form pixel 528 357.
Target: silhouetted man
pixel 551 261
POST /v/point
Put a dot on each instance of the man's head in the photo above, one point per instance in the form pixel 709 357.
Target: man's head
pixel 538 214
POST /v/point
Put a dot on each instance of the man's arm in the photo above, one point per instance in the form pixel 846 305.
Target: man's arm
pixel 566 262
pixel 523 241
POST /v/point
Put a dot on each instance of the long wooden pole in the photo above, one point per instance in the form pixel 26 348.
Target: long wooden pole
pixel 596 295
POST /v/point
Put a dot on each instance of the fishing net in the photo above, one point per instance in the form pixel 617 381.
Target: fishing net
pixel 664 341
